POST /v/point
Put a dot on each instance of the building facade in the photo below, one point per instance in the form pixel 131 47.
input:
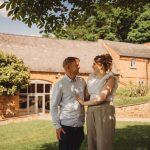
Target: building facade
pixel 44 58
pixel 132 61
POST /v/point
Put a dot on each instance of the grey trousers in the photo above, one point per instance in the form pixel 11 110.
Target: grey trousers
pixel 101 126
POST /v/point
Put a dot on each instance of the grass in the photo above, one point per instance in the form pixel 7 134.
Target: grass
pixel 40 135
pixel 122 98
pixel 122 101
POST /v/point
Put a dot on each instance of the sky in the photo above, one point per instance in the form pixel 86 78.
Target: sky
pixel 15 27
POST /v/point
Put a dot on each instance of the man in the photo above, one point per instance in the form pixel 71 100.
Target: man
pixel 69 118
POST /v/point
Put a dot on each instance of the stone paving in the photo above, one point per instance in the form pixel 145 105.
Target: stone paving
pixel 134 119
pixel 48 117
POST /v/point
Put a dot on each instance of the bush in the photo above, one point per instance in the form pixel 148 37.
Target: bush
pixel 132 90
pixel 14 75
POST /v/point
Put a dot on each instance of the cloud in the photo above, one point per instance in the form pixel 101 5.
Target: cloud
pixel 3 11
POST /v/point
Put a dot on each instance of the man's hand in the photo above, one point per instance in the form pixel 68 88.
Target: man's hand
pixel 58 133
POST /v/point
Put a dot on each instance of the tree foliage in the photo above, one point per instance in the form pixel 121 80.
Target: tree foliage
pixel 14 75
pixel 109 24
pixel 140 30
pixel 79 19
pixel 54 14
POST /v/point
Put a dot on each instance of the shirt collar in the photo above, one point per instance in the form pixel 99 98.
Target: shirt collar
pixel 70 80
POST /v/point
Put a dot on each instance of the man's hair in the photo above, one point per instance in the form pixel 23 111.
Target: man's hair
pixel 69 60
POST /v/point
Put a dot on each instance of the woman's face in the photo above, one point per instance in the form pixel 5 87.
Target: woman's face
pixel 97 67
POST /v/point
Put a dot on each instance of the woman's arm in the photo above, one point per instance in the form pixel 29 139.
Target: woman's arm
pixel 103 95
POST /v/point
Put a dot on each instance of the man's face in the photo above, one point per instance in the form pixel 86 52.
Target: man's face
pixel 74 67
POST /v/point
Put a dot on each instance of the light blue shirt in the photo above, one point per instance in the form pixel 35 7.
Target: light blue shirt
pixel 70 112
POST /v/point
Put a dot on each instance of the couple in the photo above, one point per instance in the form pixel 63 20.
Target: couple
pixel 69 96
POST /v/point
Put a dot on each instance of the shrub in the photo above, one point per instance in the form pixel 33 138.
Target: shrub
pixel 14 75
pixel 132 90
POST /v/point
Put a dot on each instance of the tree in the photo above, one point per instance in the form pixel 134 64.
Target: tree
pixel 87 31
pixel 55 14
pixel 140 30
pixel 14 75
pixel 108 23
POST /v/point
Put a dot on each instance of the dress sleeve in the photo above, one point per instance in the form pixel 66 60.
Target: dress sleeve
pixel 109 75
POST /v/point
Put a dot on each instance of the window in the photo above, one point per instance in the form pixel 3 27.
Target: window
pixel 133 64
pixel 141 82
pixel 23 90
pixel 47 88
pixel 40 88
pixel 47 102
pixel 23 101
pixel 31 88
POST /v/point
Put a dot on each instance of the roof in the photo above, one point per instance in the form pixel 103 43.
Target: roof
pixel 129 49
pixel 47 55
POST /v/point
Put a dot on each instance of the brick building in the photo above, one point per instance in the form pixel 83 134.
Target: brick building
pixel 44 58
pixel 132 61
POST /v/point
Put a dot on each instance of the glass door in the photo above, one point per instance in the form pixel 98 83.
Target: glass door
pixel 40 104
pixel 32 107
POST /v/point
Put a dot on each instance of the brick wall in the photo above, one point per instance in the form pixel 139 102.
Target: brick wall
pixel 51 77
pixel 9 106
pixel 123 65
pixel 134 75
pixel 134 111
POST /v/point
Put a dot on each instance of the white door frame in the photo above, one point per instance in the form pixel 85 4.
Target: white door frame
pixel 36 102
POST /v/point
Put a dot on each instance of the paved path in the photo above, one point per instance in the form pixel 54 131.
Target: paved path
pixel 134 119
pixel 48 117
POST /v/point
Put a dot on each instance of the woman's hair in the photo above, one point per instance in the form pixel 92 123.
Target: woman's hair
pixel 104 59
pixel 69 60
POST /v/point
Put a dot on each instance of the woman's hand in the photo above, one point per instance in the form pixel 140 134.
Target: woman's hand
pixel 80 100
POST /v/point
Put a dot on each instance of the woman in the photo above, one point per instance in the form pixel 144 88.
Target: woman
pixel 101 112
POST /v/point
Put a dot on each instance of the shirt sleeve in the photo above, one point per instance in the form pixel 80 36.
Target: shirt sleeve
pixel 55 102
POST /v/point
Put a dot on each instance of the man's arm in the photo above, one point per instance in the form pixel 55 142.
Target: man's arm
pixel 55 102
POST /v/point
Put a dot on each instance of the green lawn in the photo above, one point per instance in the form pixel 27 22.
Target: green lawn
pixel 40 135
pixel 124 101
pixel 121 100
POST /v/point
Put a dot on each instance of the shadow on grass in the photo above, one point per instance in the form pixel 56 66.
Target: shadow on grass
pixel 133 138
pixel 54 145
pixel 130 138
pixel 49 146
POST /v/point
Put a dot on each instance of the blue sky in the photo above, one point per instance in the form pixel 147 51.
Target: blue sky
pixel 15 27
